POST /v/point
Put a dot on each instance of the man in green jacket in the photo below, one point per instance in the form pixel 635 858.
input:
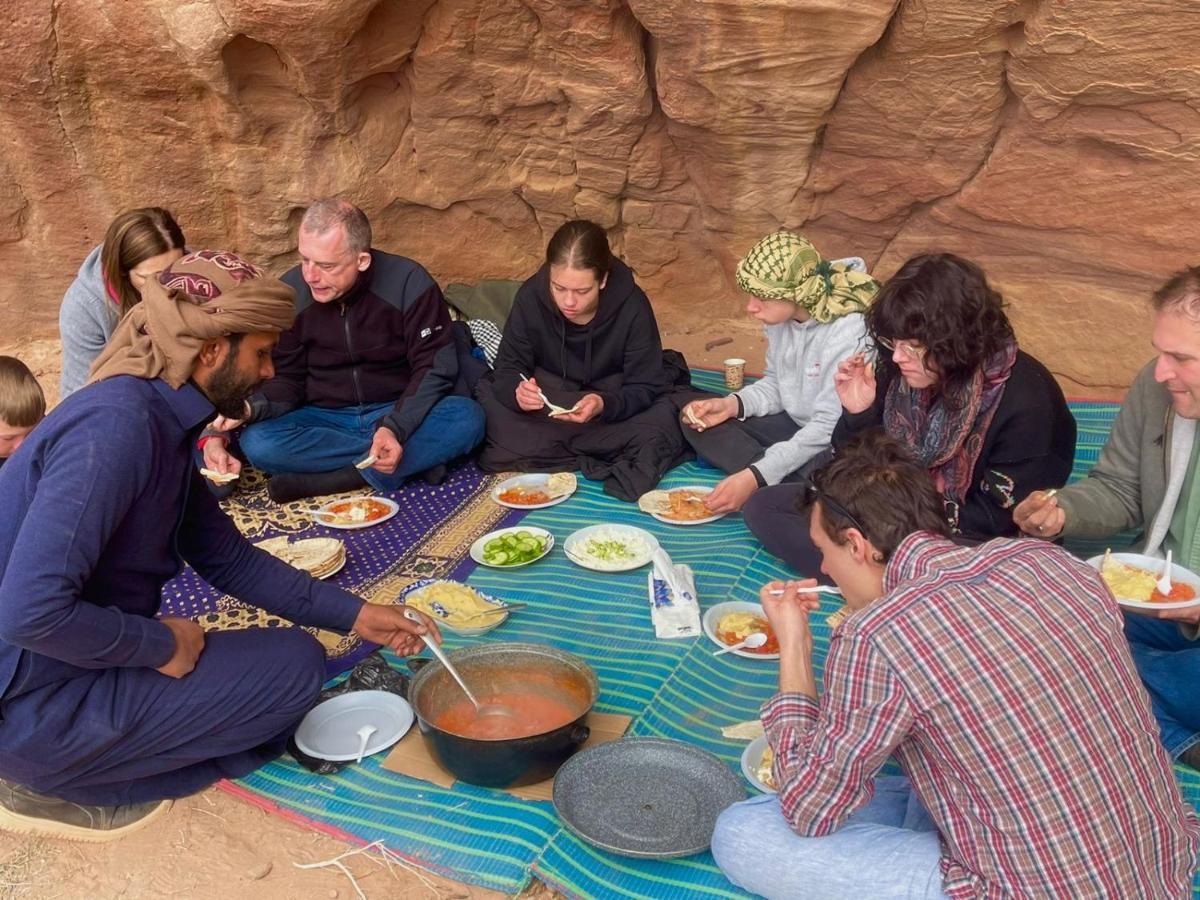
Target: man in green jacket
pixel 1147 478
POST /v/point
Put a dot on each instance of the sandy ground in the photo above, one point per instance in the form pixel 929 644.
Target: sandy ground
pixel 213 845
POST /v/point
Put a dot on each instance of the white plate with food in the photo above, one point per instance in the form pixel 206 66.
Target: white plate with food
pixel 756 765
pixel 511 548
pixel 535 491
pixel 1132 576
pixel 679 506
pixel 731 622
pixel 454 606
pixel 611 548
pixel 356 512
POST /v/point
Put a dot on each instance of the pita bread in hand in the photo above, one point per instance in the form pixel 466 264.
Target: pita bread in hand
pixel 219 477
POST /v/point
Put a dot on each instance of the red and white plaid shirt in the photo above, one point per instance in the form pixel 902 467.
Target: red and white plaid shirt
pixel 1000 678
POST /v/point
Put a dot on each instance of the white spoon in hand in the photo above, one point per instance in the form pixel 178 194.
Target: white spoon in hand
pixel 554 408
pixel 752 642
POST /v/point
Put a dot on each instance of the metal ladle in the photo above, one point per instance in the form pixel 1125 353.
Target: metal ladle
pixel 481 709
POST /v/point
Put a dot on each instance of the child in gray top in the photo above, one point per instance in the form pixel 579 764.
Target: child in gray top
pixel 812 312
pixel 138 244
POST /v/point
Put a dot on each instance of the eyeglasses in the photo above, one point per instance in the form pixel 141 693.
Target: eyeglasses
pixel 812 494
pixel 915 351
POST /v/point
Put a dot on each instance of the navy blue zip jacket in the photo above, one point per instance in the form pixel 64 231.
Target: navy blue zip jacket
pixel 99 507
pixel 386 340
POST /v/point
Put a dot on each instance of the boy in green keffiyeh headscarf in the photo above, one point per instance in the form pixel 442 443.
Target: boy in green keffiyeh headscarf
pixel 774 430
pixel 786 266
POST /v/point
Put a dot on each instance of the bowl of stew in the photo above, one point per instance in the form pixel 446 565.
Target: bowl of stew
pixel 548 692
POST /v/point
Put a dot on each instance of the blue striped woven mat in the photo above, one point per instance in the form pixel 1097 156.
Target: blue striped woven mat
pixel 672 689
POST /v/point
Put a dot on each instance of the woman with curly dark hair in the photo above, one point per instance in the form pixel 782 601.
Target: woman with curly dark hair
pixel 986 419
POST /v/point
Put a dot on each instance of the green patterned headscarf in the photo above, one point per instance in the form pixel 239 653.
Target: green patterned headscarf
pixel 785 266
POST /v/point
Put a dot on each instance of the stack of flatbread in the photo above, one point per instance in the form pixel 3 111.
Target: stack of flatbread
pixel 319 557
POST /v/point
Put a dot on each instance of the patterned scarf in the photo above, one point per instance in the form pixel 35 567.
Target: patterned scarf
pixel 199 297
pixel 945 434
pixel 785 266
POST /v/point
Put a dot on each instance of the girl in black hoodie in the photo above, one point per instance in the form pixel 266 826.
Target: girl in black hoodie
pixel 582 336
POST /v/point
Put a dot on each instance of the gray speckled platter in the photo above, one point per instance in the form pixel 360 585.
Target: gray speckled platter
pixel 645 797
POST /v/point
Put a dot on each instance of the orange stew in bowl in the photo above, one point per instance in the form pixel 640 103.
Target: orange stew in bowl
pixel 355 511
pixel 524 496
pixel 1180 593
pixel 687 506
pixel 530 714
pixel 736 627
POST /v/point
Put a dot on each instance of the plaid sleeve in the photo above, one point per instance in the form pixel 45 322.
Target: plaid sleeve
pixel 827 754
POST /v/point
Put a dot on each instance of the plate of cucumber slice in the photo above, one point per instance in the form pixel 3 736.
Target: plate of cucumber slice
pixel 510 548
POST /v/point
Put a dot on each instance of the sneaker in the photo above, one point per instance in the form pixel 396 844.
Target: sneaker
pixel 27 812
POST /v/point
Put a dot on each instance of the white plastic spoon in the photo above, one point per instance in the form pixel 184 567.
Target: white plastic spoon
pixel 1164 582
pixel 364 735
pixel 816 588
pixel 752 642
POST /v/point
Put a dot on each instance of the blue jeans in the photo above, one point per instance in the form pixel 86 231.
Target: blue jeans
pixel 887 849
pixel 311 439
pixel 1170 668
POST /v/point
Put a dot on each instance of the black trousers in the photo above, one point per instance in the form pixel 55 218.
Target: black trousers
pixel 773 516
pixel 733 445
pixel 772 513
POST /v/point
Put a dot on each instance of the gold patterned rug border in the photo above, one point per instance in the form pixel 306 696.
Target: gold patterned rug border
pixel 436 556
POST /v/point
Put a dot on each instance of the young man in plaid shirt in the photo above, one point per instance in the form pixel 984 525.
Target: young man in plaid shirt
pixel 999 679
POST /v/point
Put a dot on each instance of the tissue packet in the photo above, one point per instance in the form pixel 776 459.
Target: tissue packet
pixel 674 617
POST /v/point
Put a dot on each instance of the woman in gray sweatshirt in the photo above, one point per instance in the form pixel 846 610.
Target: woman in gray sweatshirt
pixel 772 430
pixel 138 244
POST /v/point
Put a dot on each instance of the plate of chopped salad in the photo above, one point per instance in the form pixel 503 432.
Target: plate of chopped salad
pixel 611 548
pixel 508 548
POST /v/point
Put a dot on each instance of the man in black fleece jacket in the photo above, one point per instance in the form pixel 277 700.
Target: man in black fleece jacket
pixel 366 371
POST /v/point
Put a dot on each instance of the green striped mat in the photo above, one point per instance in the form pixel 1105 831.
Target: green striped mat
pixel 672 689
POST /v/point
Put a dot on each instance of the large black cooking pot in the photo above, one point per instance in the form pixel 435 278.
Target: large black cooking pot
pixel 505 667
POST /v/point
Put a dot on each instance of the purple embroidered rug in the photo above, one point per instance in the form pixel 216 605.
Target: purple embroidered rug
pixel 428 538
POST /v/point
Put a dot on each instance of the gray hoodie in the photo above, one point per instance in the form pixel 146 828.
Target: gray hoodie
pixel 86 321
pixel 802 358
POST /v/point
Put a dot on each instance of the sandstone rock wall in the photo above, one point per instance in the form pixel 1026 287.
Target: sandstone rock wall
pixel 1057 142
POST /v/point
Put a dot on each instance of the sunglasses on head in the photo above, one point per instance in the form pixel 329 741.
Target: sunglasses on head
pixel 812 494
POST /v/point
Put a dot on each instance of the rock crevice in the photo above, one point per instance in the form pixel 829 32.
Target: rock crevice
pixel 1056 144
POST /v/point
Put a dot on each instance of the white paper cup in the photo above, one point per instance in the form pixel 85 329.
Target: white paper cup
pixel 735 373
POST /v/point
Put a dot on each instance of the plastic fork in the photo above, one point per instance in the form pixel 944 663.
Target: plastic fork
pixel 555 409
pixel 1164 582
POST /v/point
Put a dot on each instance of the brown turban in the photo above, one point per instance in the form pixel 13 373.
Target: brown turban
pixel 200 297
